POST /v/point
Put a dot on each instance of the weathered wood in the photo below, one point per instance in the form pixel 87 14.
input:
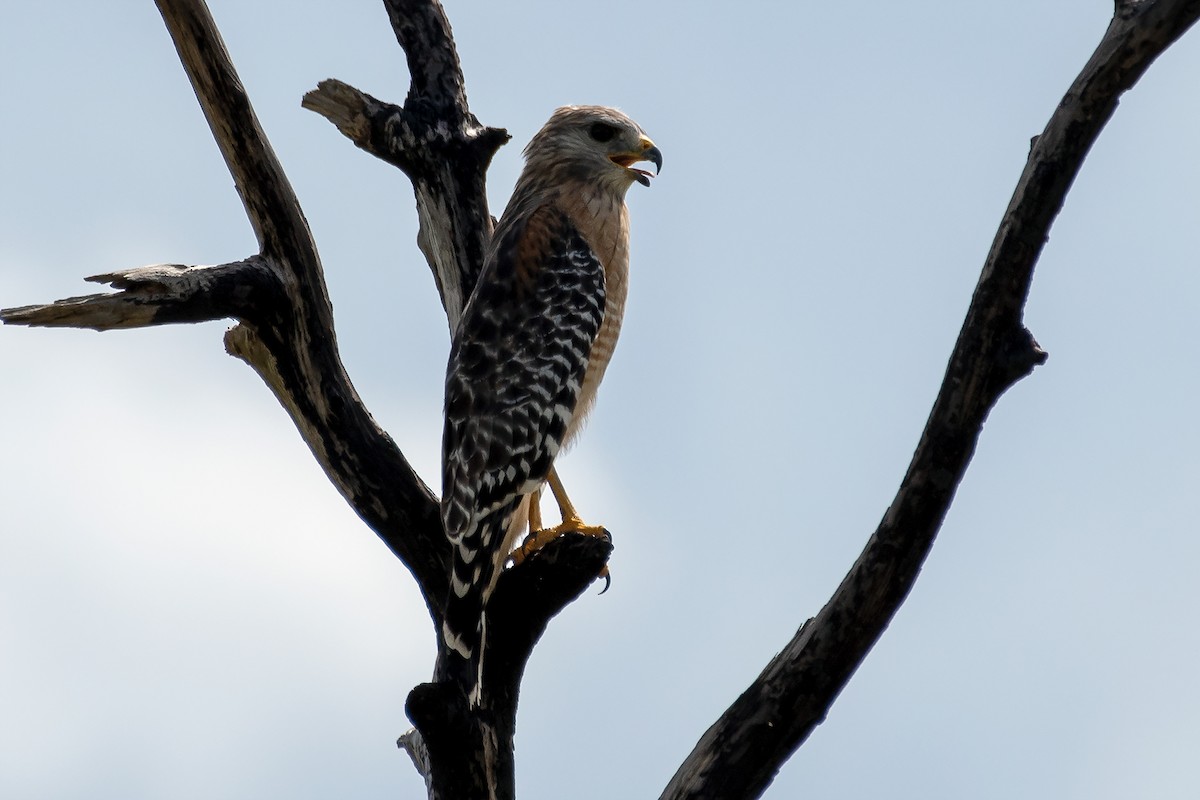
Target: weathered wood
pixel 435 139
pixel 444 150
pixel 740 754
pixel 291 343
pixel 471 751
pixel 285 333
pixel 157 295
pixel 280 299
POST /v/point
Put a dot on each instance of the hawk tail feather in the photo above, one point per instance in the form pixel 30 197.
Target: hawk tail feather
pixel 464 628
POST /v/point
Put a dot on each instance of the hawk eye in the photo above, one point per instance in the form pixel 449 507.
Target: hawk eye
pixel 602 131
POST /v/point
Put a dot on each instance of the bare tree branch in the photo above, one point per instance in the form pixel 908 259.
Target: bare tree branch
pixel 445 151
pixel 156 295
pixel 280 298
pixel 471 750
pixel 435 139
pixel 740 754
pixel 292 344
pixel 286 334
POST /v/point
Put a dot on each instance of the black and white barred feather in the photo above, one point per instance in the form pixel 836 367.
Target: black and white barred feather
pixel 512 386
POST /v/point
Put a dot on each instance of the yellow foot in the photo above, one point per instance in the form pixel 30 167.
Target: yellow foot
pixel 538 539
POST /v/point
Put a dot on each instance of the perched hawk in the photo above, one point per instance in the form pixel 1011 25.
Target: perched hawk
pixel 530 351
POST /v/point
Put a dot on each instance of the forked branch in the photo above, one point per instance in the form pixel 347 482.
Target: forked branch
pixel 435 139
pixel 291 343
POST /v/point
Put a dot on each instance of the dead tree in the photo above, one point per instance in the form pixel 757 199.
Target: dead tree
pixel 285 333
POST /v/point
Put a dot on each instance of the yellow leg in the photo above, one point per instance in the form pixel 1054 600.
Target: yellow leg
pixel 571 521
pixel 535 511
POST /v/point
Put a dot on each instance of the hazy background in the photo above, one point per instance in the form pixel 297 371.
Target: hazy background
pixel 189 610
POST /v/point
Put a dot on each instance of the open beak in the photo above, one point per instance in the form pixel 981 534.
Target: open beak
pixel 646 152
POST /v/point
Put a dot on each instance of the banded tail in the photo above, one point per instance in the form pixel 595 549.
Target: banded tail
pixel 480 549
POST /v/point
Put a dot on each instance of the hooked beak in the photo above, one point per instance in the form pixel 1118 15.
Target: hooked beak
pixel 647 151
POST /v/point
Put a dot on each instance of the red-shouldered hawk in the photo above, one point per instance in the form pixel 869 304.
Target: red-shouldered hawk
pixel 530 351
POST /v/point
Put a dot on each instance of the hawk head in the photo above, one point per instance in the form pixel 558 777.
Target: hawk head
pixel 592 143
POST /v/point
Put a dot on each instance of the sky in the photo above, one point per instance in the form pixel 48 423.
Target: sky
pixel 189 610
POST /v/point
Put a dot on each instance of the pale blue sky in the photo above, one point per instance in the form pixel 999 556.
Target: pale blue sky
pixel 189 610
